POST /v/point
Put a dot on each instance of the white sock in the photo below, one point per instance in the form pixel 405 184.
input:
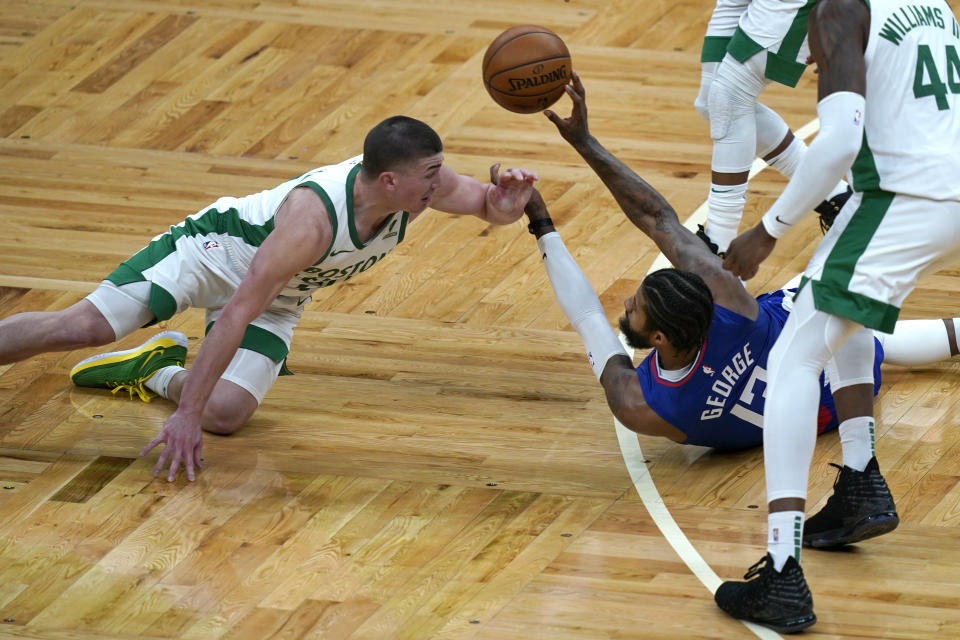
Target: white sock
pixel 857 442
pixel 159 381
pixel 787 160
pixel 784 536
pixel 725 204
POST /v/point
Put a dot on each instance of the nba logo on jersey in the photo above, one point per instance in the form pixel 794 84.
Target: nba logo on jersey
pixel 708 370
pixel 776 534
pixel 210 244
pixel 857 117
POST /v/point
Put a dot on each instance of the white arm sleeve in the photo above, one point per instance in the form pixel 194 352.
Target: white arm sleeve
pixel 827 159
pixel 579 302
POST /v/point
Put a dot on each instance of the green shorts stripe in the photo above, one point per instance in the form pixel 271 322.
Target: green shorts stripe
pixel 782 65
pixel 855 306
pixel 831 291
pixel 793 40
pixel 210 221
pixel 865 175
pixel 262 341
pixel 714 48
pixel 742 47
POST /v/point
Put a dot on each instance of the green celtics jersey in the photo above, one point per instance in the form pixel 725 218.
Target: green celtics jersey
pixel 912 113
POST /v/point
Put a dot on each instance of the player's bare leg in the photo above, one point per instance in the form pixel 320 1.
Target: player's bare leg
pixel 27 334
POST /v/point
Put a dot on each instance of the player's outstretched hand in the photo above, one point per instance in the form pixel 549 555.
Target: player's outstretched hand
pixel 184 444
pixel 510 193
pixel 748 250
pixel 573 129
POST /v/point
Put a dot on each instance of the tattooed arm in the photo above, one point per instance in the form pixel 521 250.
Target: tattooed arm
pixel 648 210
pixel 580 304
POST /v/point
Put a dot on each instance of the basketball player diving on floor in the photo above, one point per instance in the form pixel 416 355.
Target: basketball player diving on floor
pixel 704 381
pixel 252 263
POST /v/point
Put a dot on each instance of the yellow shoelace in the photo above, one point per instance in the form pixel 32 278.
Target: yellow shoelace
pixel 133 387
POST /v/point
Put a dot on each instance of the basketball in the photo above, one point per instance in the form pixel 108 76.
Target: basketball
pixel 526 68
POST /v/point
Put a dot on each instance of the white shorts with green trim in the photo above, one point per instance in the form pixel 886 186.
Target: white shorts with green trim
pixel 768 22
pixel 879 246
pixel 776 27
pixel 256 364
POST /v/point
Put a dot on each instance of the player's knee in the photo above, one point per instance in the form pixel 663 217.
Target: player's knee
pixel 225 414
pixel 707 72
pixel 220 423
pixel 721 105
pixel 701 104
pixel 84 326
pixel 728 103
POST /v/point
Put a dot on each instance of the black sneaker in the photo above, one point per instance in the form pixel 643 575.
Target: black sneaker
pixel 779 600
pixel 861 507
pixel 702 234
pixel 828 209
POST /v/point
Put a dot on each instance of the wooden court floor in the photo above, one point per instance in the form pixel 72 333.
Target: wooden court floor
pixel 442 465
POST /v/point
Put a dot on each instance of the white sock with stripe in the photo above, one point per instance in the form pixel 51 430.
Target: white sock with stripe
pixel 857 441
pixel 725 208
pixel 784 536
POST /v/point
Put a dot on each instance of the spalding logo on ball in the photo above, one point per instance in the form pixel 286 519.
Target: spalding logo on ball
pixel 526 68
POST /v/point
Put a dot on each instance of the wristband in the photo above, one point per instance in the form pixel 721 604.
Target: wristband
pixel 539 224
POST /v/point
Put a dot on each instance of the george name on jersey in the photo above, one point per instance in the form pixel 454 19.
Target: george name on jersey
pixel 724 384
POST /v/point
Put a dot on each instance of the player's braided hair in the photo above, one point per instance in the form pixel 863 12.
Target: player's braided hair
pixel 395 142
pixel 679 304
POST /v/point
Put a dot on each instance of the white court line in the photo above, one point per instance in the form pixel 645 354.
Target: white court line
pixel 633 455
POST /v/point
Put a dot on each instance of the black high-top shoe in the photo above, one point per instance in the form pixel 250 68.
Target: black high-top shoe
pixel 861 507
pixel 780 600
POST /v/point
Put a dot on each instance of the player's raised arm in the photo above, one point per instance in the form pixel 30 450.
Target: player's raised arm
pixel 579 302
pixel 647 209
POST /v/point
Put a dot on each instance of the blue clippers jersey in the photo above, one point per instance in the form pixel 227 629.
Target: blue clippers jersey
pixel 720 402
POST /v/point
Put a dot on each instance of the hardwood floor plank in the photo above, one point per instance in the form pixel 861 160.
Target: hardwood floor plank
pixel 443 463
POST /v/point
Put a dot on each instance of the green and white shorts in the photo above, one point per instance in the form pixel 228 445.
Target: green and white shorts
pixel 775 28
pixel 877 249
pixel 256 364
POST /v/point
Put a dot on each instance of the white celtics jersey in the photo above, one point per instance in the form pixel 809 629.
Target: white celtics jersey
pixel 912 113
pixel 226 235
pixel 347 256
